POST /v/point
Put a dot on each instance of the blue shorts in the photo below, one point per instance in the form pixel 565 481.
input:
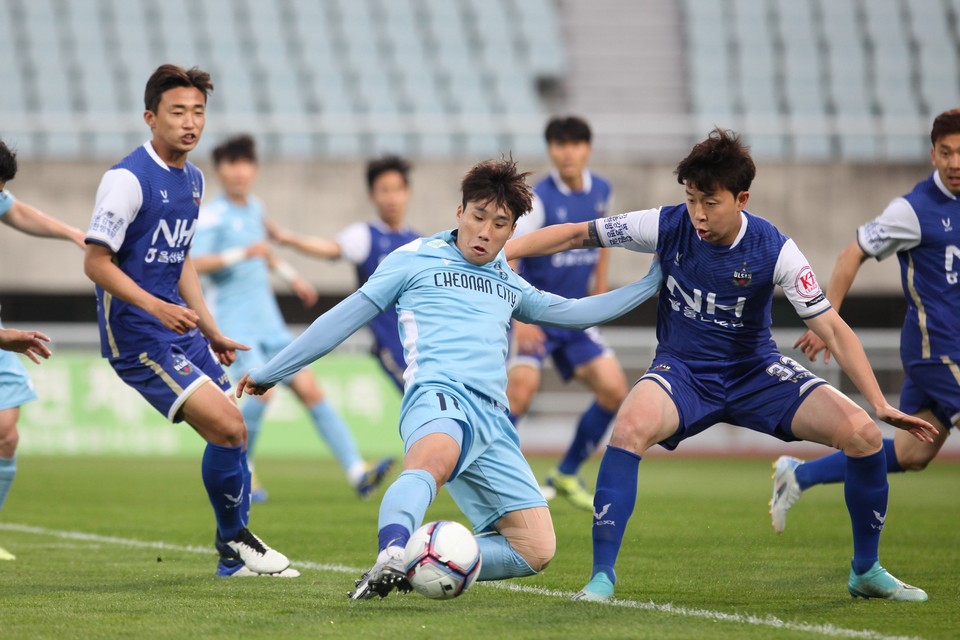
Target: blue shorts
pixel 167 374
pixel 761 393
pixel 492 478
pixel 262 349
pixel 15 386
pixel 935 386
pixel 391 361
pixel 568 348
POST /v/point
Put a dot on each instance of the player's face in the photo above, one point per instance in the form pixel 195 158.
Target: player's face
pixel 237 177
pixel 178 122
pixel 716 214
pixel 569 158
pixel 390 195
pixel 946 158
pixel 483 230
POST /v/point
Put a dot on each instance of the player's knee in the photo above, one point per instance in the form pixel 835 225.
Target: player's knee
pixel 863 439
pixel 611 398
pixel 530 533
pixel 9 438
pixel 915 461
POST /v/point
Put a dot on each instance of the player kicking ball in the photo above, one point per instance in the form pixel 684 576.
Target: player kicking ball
pixel 155 328
pixel 455 295
pixel 717 362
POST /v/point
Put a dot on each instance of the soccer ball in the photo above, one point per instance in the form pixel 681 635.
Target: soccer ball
pixel 442 559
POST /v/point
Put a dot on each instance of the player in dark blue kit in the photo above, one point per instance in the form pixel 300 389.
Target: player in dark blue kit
pixel 366 244
pixel 923 230
pixel 155 328
pixel 717 362
pixel 571 193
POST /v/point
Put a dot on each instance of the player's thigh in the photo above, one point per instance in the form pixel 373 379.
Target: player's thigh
pixel 914 455
pixel 523 381
pixel 828 417
pixel 605 378
pixel 530 533
pixel 647 416
pixel 9 436
pixel 214 416
pixel 436 452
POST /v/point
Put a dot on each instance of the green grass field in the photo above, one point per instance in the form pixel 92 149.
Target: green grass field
pixel 700 560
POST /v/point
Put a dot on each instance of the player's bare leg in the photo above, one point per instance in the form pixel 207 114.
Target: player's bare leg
pixel 9 437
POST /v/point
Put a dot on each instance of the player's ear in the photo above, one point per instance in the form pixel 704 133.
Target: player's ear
pixel 742 198
pixel 150 118
pixel 459 211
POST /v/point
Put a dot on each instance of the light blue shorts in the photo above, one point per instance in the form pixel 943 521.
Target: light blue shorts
pixel 15 386
pixel 492 478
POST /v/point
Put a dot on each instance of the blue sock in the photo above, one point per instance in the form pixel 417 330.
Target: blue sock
pixel 223 478
pixel 8 469
pixel 253 410
pixel 613 504
pixel 833 467
pixel 333 430
pixel 865 490
pixel 593 424
pixel 499 560
pixel 247 488
pixel 404 505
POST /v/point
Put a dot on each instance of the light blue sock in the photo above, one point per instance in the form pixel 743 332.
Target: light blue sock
pixel 499 560
pixel 8 469
pixel 253 410
pixel 405 503
pixel 331 427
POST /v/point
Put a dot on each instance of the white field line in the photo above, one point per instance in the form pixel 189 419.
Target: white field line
pixel 718 616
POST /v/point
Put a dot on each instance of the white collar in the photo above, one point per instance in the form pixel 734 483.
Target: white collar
pixel 941 186
pixel 564 189
pixel 153 154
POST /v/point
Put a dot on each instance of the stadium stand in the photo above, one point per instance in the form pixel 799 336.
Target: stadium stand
pixel 806 81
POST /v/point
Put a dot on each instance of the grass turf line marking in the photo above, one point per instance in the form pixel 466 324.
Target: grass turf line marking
pixel 718 616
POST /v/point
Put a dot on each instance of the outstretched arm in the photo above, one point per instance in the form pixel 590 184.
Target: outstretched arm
pixel 34 222
pixel 320 338
pixel 310 245
pixel 29 343
pixel 594 310
pixel 553 239
pixel 844 273
pixel 846 348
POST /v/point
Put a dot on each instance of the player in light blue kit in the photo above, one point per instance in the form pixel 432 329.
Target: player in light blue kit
pixel 231 249
pixel 455 295
pixel 923 229
pixel 15 387
pixel 366 244
pixel 717 362
pixel 155 328
pixel 570 193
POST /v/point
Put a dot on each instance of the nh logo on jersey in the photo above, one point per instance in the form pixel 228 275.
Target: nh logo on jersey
pixel 163 194
pixel 179 236
pixel 694 304
pixel 950 254
pixel 742 276
pixel 946 224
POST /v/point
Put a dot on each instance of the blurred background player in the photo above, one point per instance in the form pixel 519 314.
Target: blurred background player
pixel 718 362
pixel 923 229
pixel 155 328
pixel 456 295
pixel 571 193
pixel 231 249
pixel 15 387
pixel 366 244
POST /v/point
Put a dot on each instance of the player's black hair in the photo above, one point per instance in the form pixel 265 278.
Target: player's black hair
pixel 384 164
pixel 8 163
pixel 498 182
pixel 170 76
pixel 945 124
pixel 567 129
pixel 721 162
pixel 241 147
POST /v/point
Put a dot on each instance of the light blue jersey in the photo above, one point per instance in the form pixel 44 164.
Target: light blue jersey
pixel 15 387
pixel 240 296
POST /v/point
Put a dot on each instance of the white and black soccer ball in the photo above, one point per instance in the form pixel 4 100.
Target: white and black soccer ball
pixel 442 559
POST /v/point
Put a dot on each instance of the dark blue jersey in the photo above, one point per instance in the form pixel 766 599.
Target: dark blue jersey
pixel 146 213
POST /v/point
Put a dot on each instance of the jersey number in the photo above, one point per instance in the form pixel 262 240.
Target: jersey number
pixel 442 399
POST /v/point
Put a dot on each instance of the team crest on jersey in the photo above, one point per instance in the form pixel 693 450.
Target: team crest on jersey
pixel 181 365
pixel 499 268
pixel 196 194
pixel 742 276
